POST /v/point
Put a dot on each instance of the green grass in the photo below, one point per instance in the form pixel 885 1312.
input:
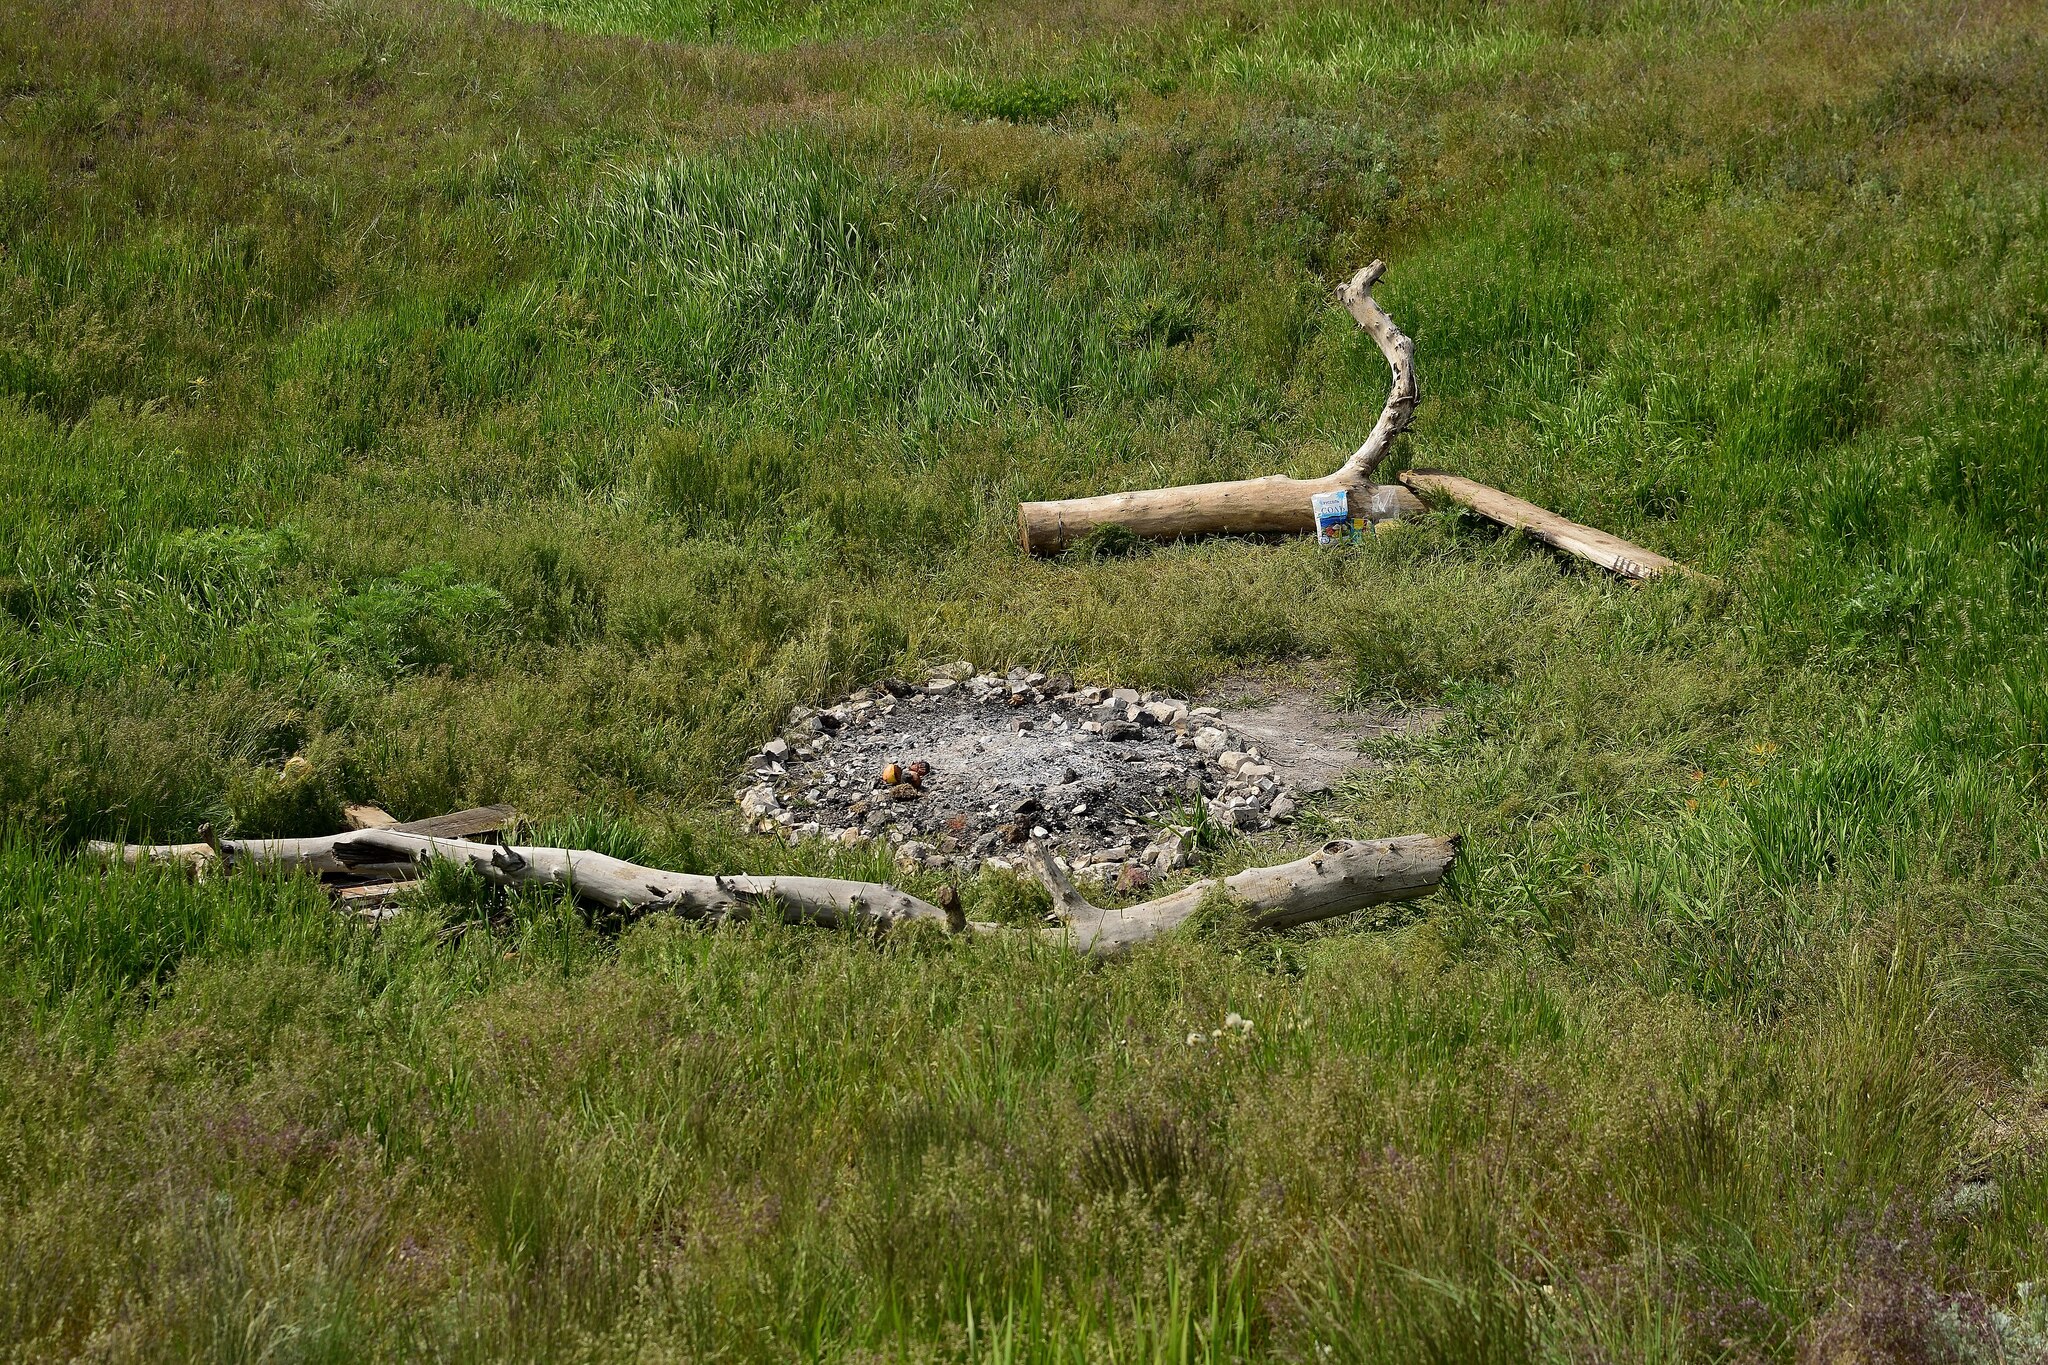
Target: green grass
pixel 485 410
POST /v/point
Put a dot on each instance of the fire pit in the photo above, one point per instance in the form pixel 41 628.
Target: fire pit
pixel 965 768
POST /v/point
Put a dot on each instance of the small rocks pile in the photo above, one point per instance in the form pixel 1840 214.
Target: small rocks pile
pixel 964 769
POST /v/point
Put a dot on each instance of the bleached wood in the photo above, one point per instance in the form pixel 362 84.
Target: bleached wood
pixel 1274 504
pixel 1608 551
pixel 1342 876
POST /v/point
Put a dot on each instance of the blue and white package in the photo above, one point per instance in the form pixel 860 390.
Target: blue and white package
pixel 1333 516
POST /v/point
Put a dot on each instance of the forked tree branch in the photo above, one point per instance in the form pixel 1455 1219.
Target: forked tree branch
pixel 1266 505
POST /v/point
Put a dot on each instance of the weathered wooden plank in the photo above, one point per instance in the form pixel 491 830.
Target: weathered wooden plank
pixel 463 824
pixel 367 817
pixel 1608 551
pixel 374 900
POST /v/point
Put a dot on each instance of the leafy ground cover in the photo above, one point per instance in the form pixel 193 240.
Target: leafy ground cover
pixel 532 405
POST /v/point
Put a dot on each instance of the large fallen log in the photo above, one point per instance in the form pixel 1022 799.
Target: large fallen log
pixel 1609 552
pixel 1273 504
pixel 1340 877
pixel 315 853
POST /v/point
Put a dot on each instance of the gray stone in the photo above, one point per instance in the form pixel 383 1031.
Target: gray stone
pixel 1168 853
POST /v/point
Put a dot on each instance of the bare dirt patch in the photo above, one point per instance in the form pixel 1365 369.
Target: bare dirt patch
pixel 1307 740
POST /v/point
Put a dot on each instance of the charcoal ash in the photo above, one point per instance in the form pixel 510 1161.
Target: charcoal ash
pixel 966 768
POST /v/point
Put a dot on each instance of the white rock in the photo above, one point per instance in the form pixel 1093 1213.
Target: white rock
pixel 1254 771
pixel 1210 740
pixel 1233 759
pixel 938 687
pixel 759 800
pixel 777 748
pixel 1282 807
pixel 1125 696
pixel 959 670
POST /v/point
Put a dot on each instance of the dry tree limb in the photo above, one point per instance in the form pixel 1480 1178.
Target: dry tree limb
pixel 1610 552
pixel 314 853
pixel 1275 503
pixel 595 877
pixel 1342 876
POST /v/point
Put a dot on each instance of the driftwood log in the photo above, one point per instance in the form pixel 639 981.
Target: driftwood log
pixel 1340 877
pixel 1274 504
pixel 1610 552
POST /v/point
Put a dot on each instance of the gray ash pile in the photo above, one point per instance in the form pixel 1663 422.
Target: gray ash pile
pixel 966 768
